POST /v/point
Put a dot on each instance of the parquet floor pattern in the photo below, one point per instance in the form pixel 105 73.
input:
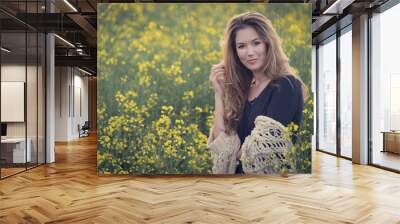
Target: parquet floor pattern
pixel 69 191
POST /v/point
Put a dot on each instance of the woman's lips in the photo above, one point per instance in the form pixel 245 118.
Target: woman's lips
pixel 252 61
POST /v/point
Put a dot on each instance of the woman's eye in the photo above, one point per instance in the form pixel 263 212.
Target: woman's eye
pixel 257 43
pixel 240 46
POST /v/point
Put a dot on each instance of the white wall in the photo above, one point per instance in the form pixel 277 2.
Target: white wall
pixel 70 83
pixel 79 117
pixel 33 127
pixel 16 73
pixel 12 73
pixel 61 103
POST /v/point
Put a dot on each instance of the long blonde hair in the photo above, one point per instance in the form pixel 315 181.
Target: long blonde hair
pixel 238 77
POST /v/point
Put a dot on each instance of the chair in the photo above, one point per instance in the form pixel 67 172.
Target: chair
pixel 84 130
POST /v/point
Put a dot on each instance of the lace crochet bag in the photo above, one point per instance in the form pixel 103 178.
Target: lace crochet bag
pixel 223 153
pixel 264 149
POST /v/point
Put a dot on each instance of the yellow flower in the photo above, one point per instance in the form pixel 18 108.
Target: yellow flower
pixel 152 25
pixel 179 122
pixel 179 80
pixel 124 79
pixel 198 109
pixel 167 109
pixel 145 80
pixel 187 95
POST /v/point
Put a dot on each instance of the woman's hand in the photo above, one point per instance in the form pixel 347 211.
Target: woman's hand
pixel 217 78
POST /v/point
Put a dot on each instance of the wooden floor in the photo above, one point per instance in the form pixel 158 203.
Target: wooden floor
pixel 387 159
pixel 10 171
pixel 70 191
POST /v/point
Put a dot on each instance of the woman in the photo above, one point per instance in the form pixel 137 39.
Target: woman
pixel 254 80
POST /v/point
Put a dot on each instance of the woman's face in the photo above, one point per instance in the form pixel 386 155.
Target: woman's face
pixel 251 49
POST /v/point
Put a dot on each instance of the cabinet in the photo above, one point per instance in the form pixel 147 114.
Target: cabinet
pixel 13 150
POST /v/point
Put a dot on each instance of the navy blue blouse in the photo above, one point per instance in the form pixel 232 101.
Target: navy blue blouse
pixel 281 100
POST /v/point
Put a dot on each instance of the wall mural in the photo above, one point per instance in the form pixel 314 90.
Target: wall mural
pixel 204 89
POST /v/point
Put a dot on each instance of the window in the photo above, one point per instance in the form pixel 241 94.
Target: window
pixel 346 93
pixel 385 87
pixel 327 96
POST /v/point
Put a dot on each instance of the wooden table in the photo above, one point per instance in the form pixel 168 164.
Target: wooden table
pixel 391 141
